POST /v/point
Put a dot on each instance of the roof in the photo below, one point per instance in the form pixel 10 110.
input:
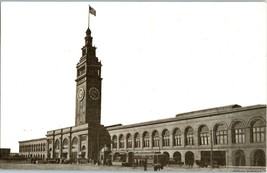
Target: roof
pixel 31 140
pixel 192 115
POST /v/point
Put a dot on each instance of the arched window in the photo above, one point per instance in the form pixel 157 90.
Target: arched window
pixel 137 140
pixel 239 158
pixel 146 139
pixel 65 143
pixel 57 144
pixel 121 141
pixel 43 147
pixel 155 137
pixel 75 142
pixel 189 136
pixel 204 135
pixel 258 131
pixel 220 134
pixel 177 137
pixel 166 138
pixel 238 133
pixel 177 157
pixel 114 141
pixel 129 141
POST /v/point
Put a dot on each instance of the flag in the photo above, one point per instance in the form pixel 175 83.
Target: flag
pixel 92 11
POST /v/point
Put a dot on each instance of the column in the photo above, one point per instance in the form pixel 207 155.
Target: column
pixel 196 143
pixel 228 159
pixel 47 149
pixel 171 140
pixel 183 156
pixel 60 147
pixel 125 142
pixel 69 147
pixel 141 141
pixel 79 145
pixel 86 154
pixel 247 157
pixel 133 143
pixel 111 144
pixel 118 142
pixel 160 141
pixel 150 141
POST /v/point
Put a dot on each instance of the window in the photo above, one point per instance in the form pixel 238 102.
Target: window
pixel 204 135
pixel 155 139
pixel 166 138
pixel 129 141
pixel 238 133
pixel 221 134
pixel 137 140
pixel 121 141
pixel 114 141
pixel 65 143
pixel 258 131
pixel 75 142
pixel 146 139
pixel 43 147
pixel 57 144
pixel 83 138
pixel 177 137
pixel 189 134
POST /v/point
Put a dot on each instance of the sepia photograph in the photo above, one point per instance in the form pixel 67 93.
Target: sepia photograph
pixel 133 86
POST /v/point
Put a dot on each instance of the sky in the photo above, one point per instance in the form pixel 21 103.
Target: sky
pixel 159 59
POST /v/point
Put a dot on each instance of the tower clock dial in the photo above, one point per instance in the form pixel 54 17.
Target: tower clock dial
pixel 94 93
pixel 80 94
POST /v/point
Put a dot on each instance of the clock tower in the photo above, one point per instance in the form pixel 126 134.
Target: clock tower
pixel 88 85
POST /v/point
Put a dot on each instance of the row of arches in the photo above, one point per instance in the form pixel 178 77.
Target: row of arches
pixel 37 156
pixel 187 137
pixel 257 157
pixel 65 143
pixel 32 148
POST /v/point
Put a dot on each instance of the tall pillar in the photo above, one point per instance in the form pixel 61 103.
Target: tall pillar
pixel 141 141
pixel 79 145
pixel 196 143
pixel 111 144
pixel 118 143
pixel 160 141
pixel 150 141
pixel 125 142
pixel 133 143
pixel 60 146
pixel 47 149
pixel 171 140
pixel 228 160
pixel 69 147
pixel 183 156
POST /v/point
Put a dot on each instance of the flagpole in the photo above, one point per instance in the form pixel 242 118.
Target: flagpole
pixel 89 18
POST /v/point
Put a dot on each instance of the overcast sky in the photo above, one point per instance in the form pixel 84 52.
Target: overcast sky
pixel 159 59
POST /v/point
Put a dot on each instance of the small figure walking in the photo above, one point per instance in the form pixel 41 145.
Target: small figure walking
pixel 145 165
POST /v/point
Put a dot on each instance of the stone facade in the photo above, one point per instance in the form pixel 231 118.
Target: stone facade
pixel 228 135
pixel 35 148
pixel 235 134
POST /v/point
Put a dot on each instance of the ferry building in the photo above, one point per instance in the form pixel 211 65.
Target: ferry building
pixel 235 135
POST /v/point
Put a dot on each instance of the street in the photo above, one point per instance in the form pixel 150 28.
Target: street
pixel 89 167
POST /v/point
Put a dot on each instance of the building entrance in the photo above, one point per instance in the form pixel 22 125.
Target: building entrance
pixel 219 157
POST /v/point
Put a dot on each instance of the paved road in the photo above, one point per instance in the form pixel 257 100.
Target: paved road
pixel 89 167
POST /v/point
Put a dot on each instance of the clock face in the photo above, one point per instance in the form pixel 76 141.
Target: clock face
pixel 94 93
pixel 80 94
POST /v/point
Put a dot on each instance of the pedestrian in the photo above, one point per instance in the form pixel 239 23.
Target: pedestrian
pixel 145 165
